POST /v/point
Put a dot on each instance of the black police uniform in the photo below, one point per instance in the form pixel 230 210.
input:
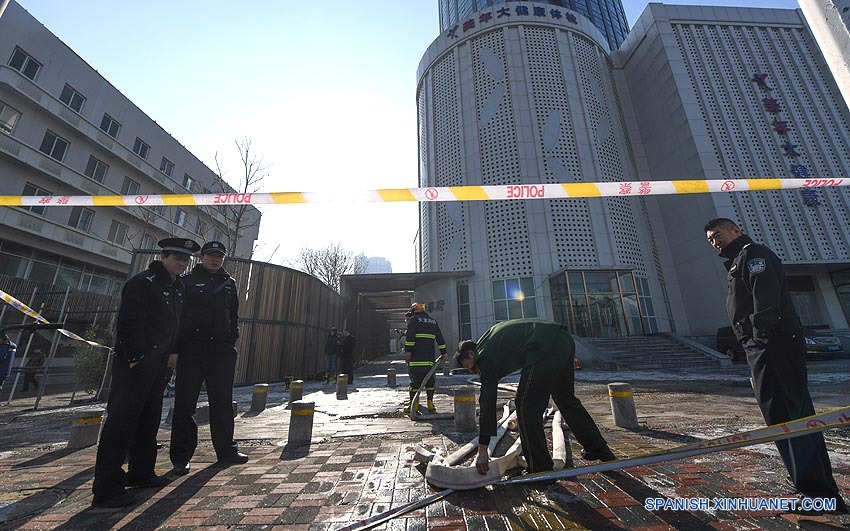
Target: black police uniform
pixel 423 333
pixel 146 332
pixel 545 352
pixel 207 353
pixel 766 324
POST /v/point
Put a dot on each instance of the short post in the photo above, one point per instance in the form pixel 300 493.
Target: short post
pixel 465 409
pixel 342 387
pixel 391 378
pixel 623 405
pixel 447 367
pixel 301 423
pixel 85 427
pixel 202 413
pixel 235 408
pixel 259 397
pixel 296 391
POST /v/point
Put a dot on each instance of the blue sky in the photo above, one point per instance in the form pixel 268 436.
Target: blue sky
pixel 326 91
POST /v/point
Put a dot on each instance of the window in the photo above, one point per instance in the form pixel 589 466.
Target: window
pixel 110 126
pixel 514 299
pixel 8 118
pixel 96 169
pixel 464 319
pixel 218 236
pixel 188 181
pixel 130 187
pixel 149 242
pixel 117 232
pixel 72 98
pixel 141 149
pixel 81 218
pixel 31 189
pixel 180 217
pixel 200 228
pixel 23 63
pixel 166 166
pixel 158 209
pixel 54 146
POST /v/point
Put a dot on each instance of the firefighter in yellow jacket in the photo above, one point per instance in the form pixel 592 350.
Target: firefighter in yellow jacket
pixel 423 333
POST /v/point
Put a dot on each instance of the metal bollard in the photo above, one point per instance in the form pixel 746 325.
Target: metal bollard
pixel 235 408
pixel 202 413
pixel 301 423
pixel 447 367
pixel 259 397
pixel 296 391
pixel 623 405
pixel 342 387
pixel 391 378
pixel 85 427
pixel 465 409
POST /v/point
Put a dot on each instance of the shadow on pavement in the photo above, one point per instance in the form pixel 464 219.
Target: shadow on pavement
pixel 639 491
pixel 152 517
pixel 44 499
pixel 293 452
pixel 666 435
pixel 49 457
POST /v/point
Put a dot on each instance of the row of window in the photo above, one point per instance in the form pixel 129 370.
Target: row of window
pixel 81 217
pixel 29 67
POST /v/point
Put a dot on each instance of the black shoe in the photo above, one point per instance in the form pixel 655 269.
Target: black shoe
pixel 113 502
pixel 180 469
pixel 148 482
pixel 237 458
pixel 603 454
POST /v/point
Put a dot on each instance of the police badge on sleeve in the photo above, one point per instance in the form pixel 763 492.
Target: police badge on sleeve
pixel 756 266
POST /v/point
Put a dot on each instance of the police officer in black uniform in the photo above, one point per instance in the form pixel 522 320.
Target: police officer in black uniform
pixel 146 333
pixel 765 322
pixel 208 333
pixel 423 333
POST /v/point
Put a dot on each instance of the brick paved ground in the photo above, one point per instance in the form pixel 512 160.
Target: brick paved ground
pixel 360 464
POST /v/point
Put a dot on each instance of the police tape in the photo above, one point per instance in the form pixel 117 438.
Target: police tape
pixel 29 312
pixel 836 418
pixel 435 194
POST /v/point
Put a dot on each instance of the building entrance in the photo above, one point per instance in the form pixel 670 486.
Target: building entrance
pixel 597 303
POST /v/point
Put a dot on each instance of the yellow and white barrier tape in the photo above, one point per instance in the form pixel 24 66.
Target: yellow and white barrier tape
pixel 436 194
pixel 26 310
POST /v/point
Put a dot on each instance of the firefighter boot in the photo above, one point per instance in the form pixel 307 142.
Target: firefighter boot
pixel 431 408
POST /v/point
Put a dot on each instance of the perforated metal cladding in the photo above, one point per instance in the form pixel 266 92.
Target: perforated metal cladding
pixel 720 61
pixel 508 247
pixel 569 221
pixel 448 162
pixel 424 220
pixel 605 120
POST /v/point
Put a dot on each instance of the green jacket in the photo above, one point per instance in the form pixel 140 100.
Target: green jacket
pixel 513 345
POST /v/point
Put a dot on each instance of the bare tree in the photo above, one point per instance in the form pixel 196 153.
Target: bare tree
pixel 243 216
pixel 330 263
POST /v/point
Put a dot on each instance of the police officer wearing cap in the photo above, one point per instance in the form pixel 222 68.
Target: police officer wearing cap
pixel 208 333
pixel 145 343
pixel 765 322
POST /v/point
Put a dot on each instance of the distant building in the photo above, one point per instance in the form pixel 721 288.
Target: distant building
pixel 830 23
pixel 65 130
pixel 378 264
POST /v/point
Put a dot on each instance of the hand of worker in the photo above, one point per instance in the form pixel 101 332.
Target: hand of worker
pixel 482 461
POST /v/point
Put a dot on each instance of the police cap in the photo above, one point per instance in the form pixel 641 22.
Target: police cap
pixel 179 245
pixel 213 247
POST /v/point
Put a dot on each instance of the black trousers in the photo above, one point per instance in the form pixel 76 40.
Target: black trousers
pixel 346 366
pixel 212 362
pixel 553 376
pixel 780 380
pixel 417 375
pixel 134 411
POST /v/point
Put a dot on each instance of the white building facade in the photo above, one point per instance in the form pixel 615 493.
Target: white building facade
pixel 830 23
pixel 65 130
pixel 525 100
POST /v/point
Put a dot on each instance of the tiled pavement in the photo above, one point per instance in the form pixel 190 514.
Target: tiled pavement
pixel 360 464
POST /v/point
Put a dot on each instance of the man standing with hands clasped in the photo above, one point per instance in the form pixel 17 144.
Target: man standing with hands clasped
pixel 765 322
pixel 145 345
pixel 208 337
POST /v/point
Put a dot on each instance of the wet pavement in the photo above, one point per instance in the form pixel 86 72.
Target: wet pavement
pixel 360 463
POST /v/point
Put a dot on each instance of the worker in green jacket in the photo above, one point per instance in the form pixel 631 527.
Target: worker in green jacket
pixel 545 352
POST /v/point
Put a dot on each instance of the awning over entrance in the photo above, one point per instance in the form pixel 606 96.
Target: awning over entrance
pixel 391 294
